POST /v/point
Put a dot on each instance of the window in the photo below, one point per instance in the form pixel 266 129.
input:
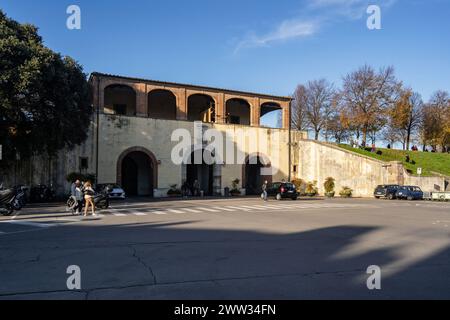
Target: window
pixel 84 163
pixel 120 109
pixel 295 169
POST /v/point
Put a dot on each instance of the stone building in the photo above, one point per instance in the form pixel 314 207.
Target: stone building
pixel 131 136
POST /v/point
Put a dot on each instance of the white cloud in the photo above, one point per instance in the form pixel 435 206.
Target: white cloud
pixel 289 29
pixel 316 13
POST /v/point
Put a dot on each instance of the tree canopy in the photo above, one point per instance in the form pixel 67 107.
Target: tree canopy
pixel 44 97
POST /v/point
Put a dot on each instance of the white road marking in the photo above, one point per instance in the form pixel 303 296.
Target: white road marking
pixel 175 211
pixel 159 212
pixel 206 209
pixel 224 209
pixel 253 208
pixel 139 214
pixel 239 209
pixel 192 210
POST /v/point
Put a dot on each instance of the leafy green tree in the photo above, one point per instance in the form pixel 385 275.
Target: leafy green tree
pixel 44 97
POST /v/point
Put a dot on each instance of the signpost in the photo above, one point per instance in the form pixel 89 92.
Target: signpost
pixel 419 171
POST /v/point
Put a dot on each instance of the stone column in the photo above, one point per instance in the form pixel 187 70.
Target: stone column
pixel 182 112
pixel 141 100
pixel 220 108
pixel 255 114
pixel 286 115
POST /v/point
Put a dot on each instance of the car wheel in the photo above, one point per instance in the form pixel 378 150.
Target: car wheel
pixel 391 197
pixel 409 198
pixel 378 198
pixel 294 198
pixel 279 197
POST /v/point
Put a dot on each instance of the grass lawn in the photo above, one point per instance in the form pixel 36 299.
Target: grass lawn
pixel 429 162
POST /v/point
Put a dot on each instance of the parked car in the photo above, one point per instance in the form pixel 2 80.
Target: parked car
pixel 409 193
pixel 386 191
pixel 282 190
pixel 114 191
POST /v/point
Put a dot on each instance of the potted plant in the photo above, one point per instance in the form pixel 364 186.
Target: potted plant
pixel 300 185
pixel 329 186
pixel 174 191
pixel 311 189
pixel 235 188
pixel 346 192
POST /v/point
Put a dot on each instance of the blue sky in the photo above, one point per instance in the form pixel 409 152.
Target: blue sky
pixel 250 45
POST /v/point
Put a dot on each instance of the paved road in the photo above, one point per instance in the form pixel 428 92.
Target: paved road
pixel 230 249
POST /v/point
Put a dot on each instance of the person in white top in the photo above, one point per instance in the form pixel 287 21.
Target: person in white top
pixel 89 199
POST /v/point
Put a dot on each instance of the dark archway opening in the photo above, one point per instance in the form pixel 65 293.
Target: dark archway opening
pixel 238 112
pixel 202 173
pixel 271 115
pixel 253 177
pixel 137 174
pixel 120 100
pixel 201 108
pixel 162 104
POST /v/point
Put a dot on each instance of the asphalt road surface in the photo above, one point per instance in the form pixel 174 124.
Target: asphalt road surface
pixel 230 249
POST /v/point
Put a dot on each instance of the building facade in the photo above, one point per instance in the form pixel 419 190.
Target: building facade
pixel 133 129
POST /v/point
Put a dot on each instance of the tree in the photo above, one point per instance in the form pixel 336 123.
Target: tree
pixel 406 115
pixel 435 123
pixel 317 103
pixel 299 118
pixel 44 98
pixel 367 95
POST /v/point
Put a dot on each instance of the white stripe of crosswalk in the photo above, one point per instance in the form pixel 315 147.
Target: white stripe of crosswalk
pixel 191 210
pixel 175 211
pixel 206 209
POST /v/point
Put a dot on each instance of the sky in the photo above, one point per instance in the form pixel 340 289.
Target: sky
pixel 250 45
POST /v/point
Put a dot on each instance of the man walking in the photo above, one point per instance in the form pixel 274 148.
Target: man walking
pixel 264 190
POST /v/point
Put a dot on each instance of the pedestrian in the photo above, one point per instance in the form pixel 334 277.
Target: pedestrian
pixel 78 197
pixel 196 188
pixel 264 190
pixel 89 198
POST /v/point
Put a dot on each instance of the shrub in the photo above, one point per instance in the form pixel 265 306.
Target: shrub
pixel 346 192
pixel 300 185
pixel 311 189
pixel 235 188
pixel 329 186
pixel 174 191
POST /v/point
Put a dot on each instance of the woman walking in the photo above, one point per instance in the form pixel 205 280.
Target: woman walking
pixel 89 198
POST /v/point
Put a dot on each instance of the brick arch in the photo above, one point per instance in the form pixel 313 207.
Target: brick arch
pixel 247 160
pixel 151 156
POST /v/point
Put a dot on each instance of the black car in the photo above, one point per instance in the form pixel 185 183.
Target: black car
pixel 386 191
pixel 409 193
pixel 282 190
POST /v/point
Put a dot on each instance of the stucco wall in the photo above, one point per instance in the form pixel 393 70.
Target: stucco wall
pixel 319 161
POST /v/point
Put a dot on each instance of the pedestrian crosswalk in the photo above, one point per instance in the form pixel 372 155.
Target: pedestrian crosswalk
pixel 282 207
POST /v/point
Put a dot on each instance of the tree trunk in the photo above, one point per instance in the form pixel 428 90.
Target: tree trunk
pixel 317 135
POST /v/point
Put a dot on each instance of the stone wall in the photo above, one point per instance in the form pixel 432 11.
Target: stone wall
pixel 363 174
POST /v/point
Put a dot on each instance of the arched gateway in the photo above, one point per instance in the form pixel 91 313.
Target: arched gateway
pixel 137 172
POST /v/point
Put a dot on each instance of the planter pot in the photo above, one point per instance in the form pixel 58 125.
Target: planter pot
pixel 330 194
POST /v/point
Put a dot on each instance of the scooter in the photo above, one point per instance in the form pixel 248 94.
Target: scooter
pixel 11 200
pixel 101 201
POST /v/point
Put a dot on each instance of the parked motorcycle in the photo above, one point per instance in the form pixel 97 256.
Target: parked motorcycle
pixel 101 201
pixel 42 193
pixel 11 200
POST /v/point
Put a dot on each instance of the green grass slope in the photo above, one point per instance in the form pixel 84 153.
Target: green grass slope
pixel 429 162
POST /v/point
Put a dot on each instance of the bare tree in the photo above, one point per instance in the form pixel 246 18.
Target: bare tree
pixel 299 118
pixel 318 104
pixel 367 94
